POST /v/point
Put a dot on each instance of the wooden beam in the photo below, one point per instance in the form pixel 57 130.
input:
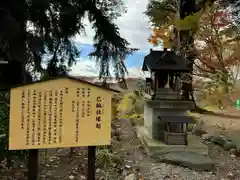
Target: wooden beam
pixel 2 136
pixel 3 62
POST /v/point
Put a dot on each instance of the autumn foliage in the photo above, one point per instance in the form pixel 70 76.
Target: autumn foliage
pixel 160 35
pixel 217 50
pixel 220 18
pixel 216 44
pixel 217 47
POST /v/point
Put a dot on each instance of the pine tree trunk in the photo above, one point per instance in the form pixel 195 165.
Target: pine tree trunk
pixel 14 72
pixel 18 56
pixel 17 47
pixel 187 7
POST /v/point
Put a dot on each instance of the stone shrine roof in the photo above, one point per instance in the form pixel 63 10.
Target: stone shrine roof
pixel 177 119
pixel 164 61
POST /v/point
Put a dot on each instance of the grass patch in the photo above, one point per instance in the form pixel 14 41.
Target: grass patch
pixel 192 114
pixel 211 108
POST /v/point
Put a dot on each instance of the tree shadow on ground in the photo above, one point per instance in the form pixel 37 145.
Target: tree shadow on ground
pixel 211 113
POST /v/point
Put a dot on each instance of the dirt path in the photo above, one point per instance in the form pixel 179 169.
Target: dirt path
pixel 225 122
pixel 134 161
pixel 229 119
pixel 148 168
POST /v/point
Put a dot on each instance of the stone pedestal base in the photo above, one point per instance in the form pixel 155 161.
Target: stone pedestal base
pixel 154 109
pixel 157 148
pixel 175 138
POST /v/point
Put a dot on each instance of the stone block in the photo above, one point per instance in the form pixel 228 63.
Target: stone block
pixel 157 148
pixel 172 104
pixel 190 160
pixel 167 95
pixel 175 138
pixel 154 109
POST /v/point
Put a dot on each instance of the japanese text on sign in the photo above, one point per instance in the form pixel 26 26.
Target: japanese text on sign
pixel 99 111
pixel 61 114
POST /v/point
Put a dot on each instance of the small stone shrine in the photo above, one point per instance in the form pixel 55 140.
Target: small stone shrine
pixel 164 133
pixel 165 115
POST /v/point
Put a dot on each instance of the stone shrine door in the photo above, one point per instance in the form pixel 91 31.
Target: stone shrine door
pixel 176 127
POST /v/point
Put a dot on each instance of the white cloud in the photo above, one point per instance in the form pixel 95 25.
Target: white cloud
pixel 86 67
pixel 136 72
pixel 133 26
pixel 86 38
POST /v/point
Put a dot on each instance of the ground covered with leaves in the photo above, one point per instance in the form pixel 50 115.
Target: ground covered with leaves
pixel 125 159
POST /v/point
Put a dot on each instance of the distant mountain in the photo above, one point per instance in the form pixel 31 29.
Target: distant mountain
pixel 131 82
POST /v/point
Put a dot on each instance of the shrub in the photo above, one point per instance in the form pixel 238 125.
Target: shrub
pixel 105 158
pixel 131 106
pixel 4 130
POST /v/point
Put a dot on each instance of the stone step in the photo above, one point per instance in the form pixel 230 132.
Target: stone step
pixel 190 160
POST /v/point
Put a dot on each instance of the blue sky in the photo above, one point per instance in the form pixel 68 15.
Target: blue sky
pixel 87 66
pixel 134 27
pixel 134 60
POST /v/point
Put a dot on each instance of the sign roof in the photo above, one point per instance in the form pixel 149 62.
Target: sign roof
pixel 70 78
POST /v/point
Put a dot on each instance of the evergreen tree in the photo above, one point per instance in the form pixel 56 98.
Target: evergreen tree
pixel 163 14
pixel 37 31
pixel 42 29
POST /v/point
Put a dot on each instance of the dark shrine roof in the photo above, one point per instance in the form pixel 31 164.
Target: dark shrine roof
pixel 164 60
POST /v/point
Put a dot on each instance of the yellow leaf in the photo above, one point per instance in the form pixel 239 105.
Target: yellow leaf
pixel 189 22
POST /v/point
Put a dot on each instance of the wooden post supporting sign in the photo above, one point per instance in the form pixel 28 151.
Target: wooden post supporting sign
pixel 91 162
pixel 33 164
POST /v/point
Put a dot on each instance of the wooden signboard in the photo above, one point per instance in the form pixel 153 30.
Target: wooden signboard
pixel 57 113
